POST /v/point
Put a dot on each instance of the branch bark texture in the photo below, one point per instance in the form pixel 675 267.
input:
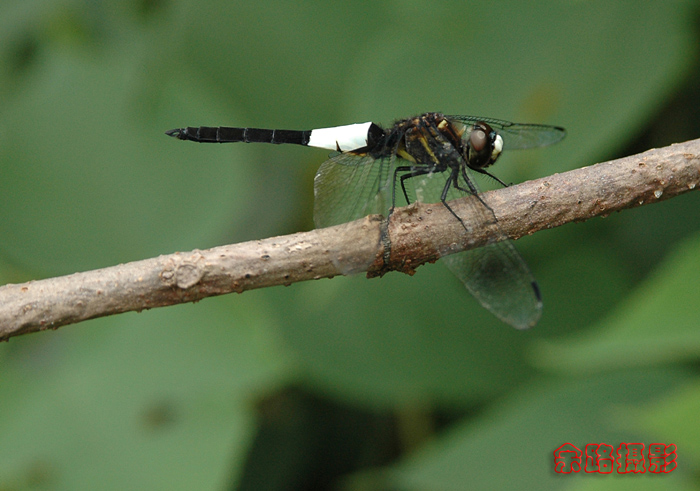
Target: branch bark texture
pixel 417 234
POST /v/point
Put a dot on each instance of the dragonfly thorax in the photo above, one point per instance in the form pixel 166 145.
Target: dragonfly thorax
pixel 432 136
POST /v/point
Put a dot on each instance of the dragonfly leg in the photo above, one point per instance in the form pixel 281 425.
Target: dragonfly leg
pixel 472 189
pixel 486 173
pixel 411 172
pixel 443 197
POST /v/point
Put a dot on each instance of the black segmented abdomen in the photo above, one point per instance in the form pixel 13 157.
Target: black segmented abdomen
pixel 224 134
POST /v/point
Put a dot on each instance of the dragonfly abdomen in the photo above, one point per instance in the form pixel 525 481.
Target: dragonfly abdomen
pixel 225 134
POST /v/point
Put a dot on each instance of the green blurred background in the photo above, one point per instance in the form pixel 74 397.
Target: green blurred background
pixel 401 383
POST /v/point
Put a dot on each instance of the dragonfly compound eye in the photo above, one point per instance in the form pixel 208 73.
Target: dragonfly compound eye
pixel 478 140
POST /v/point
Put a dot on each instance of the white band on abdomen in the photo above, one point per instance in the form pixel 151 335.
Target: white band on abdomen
pixel 348 137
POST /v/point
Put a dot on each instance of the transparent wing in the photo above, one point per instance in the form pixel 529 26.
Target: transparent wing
pixel 498 277
pixel 348 186
pixel 518 136
pixel 496 274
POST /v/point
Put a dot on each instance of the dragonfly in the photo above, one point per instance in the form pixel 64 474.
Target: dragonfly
pixel 432 158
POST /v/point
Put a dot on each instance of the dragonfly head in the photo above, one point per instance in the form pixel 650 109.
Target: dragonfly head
pixel 484 146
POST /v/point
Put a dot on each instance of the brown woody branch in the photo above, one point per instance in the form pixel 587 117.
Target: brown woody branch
pixel 418 233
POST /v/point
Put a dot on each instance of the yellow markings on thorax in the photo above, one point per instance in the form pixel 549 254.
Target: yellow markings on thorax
pixel 401 152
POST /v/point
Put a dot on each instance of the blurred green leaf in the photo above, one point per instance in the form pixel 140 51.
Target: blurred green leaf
pixel 414 348
pixel 657 323
pixel 88 182
pixel 674 418
pixel 156 400
pixel 512 446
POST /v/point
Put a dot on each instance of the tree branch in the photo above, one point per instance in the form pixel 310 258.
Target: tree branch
pixel 418 233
